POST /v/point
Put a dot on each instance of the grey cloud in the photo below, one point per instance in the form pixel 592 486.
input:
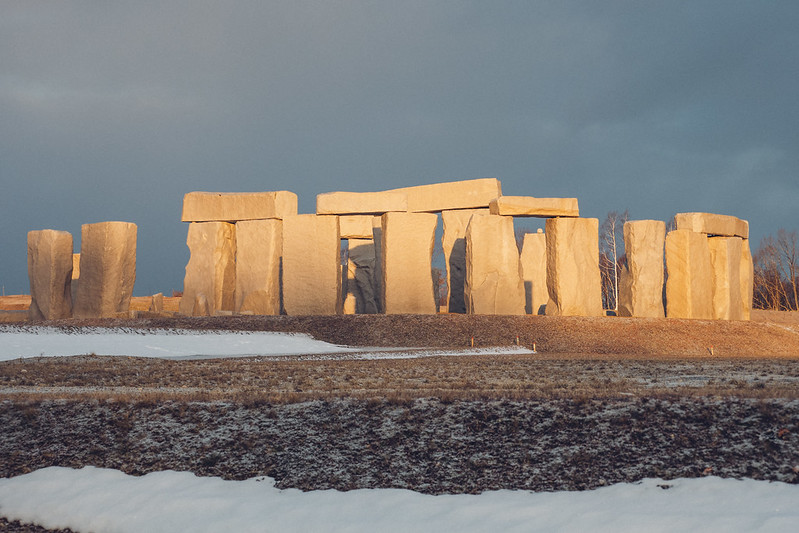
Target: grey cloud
pixel 114 110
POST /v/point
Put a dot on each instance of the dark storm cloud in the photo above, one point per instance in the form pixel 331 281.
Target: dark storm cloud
pixel 113 111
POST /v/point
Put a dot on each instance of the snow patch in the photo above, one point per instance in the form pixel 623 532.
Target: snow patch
pixel 95 499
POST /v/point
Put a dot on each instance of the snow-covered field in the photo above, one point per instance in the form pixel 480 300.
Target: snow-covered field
pixel 23 342
pixel 93 499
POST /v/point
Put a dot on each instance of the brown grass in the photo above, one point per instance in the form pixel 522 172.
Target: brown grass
pixel 514 377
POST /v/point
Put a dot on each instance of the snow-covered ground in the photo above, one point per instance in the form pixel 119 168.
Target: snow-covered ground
pixel 93 499
pixel 21 342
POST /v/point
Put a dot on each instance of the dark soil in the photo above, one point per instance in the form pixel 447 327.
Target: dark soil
pixel 425 445
pixel 609 400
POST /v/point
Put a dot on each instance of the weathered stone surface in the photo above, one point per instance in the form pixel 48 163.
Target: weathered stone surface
pixel 311 265
pixel 50 274
pixel 725 258
pixel 377 234
pixel 406 256
pixel 527 206
pixel 573 279
pixel 467 194
pixel 75 266
pixel 534 272
pixel 234 206
pixel 355 226
pixel 210 281
pixel 75 276
pixel 107 269
pixel 157 303
pixel 689 286
pixel 360 203
pixel 712 224
pixel 641 281
pixel 747 282
pixel 453 242
pixel 259 246
pixel 493 273
pixel 201 306
pixel 361 284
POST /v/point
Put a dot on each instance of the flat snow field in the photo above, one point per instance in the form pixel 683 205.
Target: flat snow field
pixel 512 420
pixel 92 499
pixel 40 341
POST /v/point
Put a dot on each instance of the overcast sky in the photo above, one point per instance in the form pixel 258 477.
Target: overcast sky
pixel 114 110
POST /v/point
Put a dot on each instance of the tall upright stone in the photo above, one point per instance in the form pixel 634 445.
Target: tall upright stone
pixel 689 286
pixel 493 272
pixel 406 260
pixel 534 272
pixel 259 246
pixel 361 284
pixel 75 276
pixel 377 237
pixel 725 258
pixel 210 281
pixel 107 269
pixel 453 241
pixel 573 279
pixel 50 274
pixel 641 281
pixel 747 282
pixel 311 265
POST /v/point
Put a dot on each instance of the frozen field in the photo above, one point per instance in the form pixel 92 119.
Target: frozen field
pixel 25 342
pixel 92 499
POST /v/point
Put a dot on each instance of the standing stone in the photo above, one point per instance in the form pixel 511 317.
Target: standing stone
pixel 406 257
pixel 75 276
pixel 50 274
pixel 725 258
pixel 453 241
pixel 361 298
pixel 689 287
pixel 157 303
pixel 259 246
pixel 210 281
pixel 311 265
pixel 747 280
pixel 377 236
pixel 573 279
pixel 534 272
pixel 641 281
pixel 107 269
pixel 493 272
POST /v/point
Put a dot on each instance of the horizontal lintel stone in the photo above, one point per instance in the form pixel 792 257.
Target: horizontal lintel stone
pixel 201 206
pixel 466 194
pixel 355 226
pixel 713 224
pixel 528 206
pixel 360 203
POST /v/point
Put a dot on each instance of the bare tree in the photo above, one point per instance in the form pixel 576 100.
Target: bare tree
pixel 787 247
pixel 776 272
pixel 610 240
